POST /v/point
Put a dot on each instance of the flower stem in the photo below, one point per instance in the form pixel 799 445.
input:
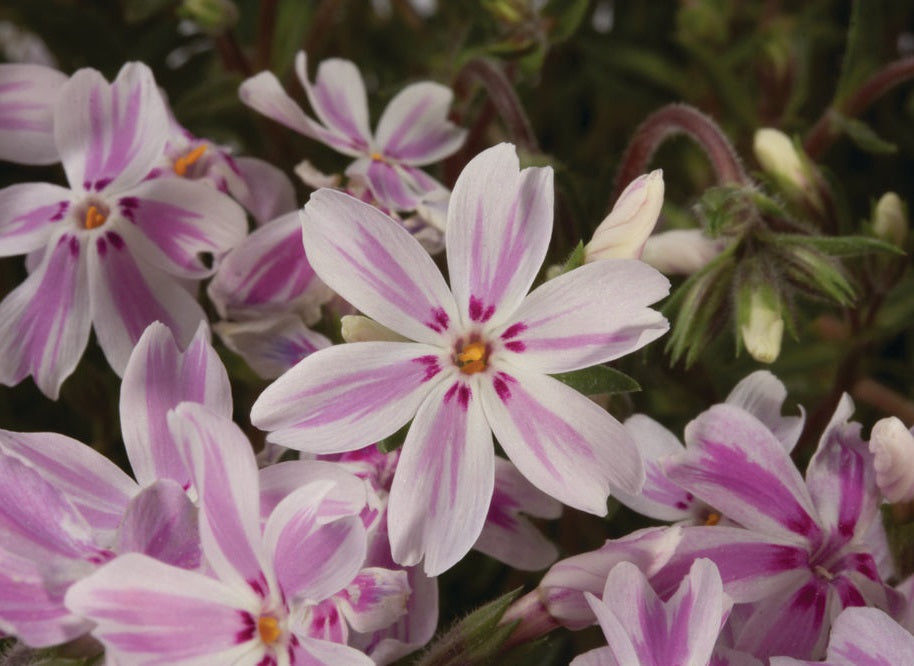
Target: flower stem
pixel 673 120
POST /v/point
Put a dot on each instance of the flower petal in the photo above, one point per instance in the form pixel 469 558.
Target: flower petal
pixel 265 273
pixel 868 637
pixel 271 346
pixel 175 220
pixel 414 128
pixel 110 136
pixel 762 395
pixel 29 213
pixel 269 192
pixel 444 480
pixel 97 487
pixel 566 445
pixel 27 96
pixel 590 315
pixel 376 265
pixel 345 498
pixel 314 652
pixel 375 598
pixel 128 295
pixel 347 396
pixel 499 223
pixel 158 377
pixel 45 321
pixel 735 464
pixel 224 473
pixel 161 522
pixel 339 101
pixel 148 612
pixel 313 559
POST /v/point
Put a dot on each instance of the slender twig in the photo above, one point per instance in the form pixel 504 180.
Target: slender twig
pixel 266 27
pixel 232 54
pixel 825 130
pixel 673 120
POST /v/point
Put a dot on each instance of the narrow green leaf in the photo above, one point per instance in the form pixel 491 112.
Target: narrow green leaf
pixel 598 379
pixel 863 135
pixel 395 441
pixel 864 44
pixel 840 246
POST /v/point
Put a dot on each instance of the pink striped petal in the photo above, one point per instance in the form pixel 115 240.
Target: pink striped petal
pixel 97 487
pixel 444 480
pixel 110 135
pixel 841 477
pixel 313 558
pixel 157 378
pixel 314 652
pixel 224 473
pixel 376 265
pixel 29 213
pixel 566 445
pixel 31 604
pixel 128 295
pixel 148 612
pixel 499 223
pixel 45 321
pixel 660 498
pixel 27 96
pixel 271 346
pixel 867 637
pixel 348 396
pixel 345 498
pixel 375 599
pixel 264 93
pixel 507 535
pixel 268 193
pixel 763 395
pixel 593 314
pixel 414 128
pixel 389 185
pixel 265 273
pixel 735 464
pixel 598 657
pixel 175 220
pixel 339 101
pixel 161 522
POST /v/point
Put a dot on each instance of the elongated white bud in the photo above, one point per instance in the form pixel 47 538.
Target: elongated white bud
pixel 892 446
pixel 623 232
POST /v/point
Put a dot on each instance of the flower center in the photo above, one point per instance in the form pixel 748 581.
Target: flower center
pixel 268 628
pixel 472 358
pixel 92 214
pixel 378 157
pixel 182 163
pixel 712 519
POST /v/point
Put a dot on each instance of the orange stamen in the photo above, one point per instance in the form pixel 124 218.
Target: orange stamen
pixel 378 157
pixel 268 628
pixel 472 359
pixel 185 161
pixel 94 218
pixel 712 519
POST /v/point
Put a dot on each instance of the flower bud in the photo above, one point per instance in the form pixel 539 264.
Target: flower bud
pixel 623 232
pixel 780 158
pixel 680 251
pixel 890 219
pixel 760 323
pixel 892 446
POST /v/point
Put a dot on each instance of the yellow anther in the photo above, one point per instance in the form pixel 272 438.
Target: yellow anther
pixel 712 519
pixel 269 630
pixel 378 157
pixel 185 161
pixel 471 358
pixel 94 218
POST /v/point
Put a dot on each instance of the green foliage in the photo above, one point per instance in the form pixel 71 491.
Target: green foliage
pixel 598 379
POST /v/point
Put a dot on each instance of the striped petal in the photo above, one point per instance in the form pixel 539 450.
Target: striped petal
pixel 499 223
pixel 128 295
pixel 566 445
pixel 414 128
pixel 45 321
pixel 28 214
pixel 376 265
pixel 347 396
pixel 27 97
pixel 444 480
pixel 593 314
pixel 158 377
pixel 273 345
pixel 268 192
pixel 110 135
pixel 763 395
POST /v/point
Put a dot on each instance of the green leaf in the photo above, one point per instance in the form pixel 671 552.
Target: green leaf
pixel 864 45
pixel 395 441
pixel 564 18
pixel 476 639
pixel 863 135
pixel 598 379
pixel 840 246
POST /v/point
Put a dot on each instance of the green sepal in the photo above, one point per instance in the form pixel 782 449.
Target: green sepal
pixel 476 639
pixel 840 246
pixel 575 259
pixel 395 441
pixel 598 379
pixel 863 135
pixel 817 272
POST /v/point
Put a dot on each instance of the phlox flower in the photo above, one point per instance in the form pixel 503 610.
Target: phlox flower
pixel 480 359
pixel 115 250
pixel 28 94
pixel 267 579
pixel 413 130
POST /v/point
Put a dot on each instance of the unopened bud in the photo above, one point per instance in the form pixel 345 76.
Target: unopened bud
pixel 778 156
pixel 623 232
pixel 892 446
pixel 760 323
pixel 213 16
pixel 680 251
pixel 890 219
pixel 356 328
